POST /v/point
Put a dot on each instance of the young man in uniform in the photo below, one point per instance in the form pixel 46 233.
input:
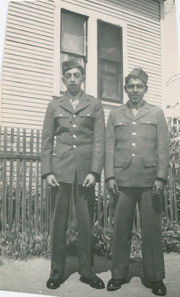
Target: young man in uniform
pixel 136 167
pixel 73 164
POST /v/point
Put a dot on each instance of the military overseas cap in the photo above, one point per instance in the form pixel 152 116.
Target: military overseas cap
pixel 70 64
pixel 138 73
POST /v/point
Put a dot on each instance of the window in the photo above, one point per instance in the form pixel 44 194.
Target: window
pixel 110 72
pixel 73 37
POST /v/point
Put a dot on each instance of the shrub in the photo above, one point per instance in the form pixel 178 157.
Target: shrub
pixel 171 236
pixel 23 245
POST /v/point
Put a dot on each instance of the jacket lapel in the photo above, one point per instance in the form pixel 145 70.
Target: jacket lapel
pixel 144 109
pixel 83 103
pixel 127 111
pixel 66 104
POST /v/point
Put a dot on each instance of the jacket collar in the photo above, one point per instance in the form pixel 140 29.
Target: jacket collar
pixel 142 110
pixel 84 101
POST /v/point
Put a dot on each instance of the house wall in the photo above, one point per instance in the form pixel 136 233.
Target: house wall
pixel 31 66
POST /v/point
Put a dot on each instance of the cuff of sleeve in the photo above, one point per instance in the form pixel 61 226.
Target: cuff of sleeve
pixel 164 181
pixel 45 175
pixel 112 177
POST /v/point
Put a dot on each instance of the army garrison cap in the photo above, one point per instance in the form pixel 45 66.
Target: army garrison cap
pixel 138 73
pixel 70 64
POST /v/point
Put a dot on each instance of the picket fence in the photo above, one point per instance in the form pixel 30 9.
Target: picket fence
pixel 25 197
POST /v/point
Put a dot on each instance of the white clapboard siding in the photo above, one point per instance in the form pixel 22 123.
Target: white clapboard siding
pixel 27 76
pixel 27 80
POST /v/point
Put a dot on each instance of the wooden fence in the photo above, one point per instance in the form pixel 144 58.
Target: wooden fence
pixel 25 197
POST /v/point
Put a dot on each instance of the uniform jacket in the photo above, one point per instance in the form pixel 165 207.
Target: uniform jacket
pixel 73 141
pixel 137 147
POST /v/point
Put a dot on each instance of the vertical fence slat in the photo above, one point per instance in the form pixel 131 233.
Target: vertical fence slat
pixel 24 184
pixel 4 184
pixel 37 182
pixel 18 180
pixel 30 178
pixel 11 177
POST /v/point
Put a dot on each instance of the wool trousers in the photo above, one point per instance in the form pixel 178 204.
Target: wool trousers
pixel 84 199
pixel 150 220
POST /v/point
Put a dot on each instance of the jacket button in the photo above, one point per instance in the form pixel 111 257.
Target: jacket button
pixel 134 123
pixel 133 144
pixel 74 125
pixel 133 155
pixel 134 133
pixel 74 146
pixel 74 116
pixel 74 136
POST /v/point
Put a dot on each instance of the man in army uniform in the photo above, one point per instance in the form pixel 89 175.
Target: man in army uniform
pixel 76 120
pixel 136 167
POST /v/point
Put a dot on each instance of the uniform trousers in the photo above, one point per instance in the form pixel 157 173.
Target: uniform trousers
pixel 150 220
pixel 84 199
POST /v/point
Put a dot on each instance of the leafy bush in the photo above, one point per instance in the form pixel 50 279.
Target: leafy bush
pixel 23 245
pixel 102 239
pixel 171 236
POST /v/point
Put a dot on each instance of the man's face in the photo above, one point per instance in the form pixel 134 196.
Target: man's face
pixel 135 89
pixel 73 79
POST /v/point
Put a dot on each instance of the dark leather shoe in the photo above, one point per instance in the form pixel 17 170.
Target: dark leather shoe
pixel 115 284
pixel 158 288
pixel 94 282
pixel 53 283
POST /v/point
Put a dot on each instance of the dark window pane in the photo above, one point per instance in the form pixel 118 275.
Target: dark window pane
pixel 109 42
pixel 73 33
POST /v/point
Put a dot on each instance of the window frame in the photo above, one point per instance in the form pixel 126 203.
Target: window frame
pixel 120 63
pixel 91 82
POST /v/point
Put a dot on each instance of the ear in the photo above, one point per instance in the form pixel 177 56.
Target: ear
pixel 125 88
pixel 146 88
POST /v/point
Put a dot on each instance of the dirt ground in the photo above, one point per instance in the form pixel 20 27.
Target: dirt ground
pixel 30 277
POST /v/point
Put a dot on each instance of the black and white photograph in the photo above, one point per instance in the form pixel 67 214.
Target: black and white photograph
pixel 89 148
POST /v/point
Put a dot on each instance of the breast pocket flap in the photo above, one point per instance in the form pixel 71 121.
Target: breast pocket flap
pixel 149 122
